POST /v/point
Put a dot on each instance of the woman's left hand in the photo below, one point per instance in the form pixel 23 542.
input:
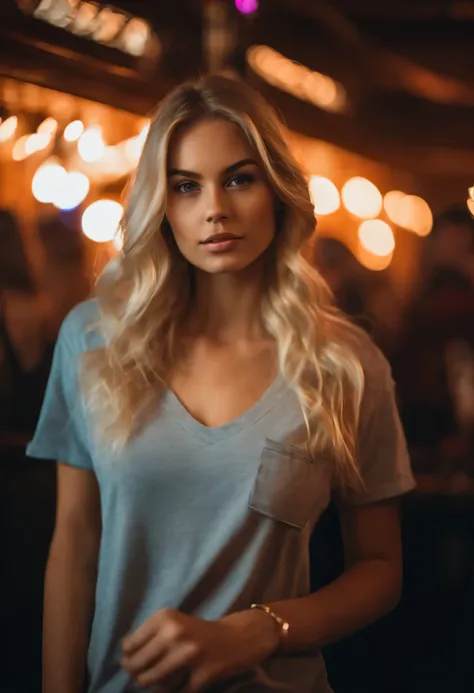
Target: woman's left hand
pixel 170 643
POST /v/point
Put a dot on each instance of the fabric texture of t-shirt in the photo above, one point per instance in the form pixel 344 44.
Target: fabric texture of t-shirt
pixel 210 520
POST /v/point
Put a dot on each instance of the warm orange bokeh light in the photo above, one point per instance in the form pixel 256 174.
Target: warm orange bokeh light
pixel 376 236
pixel 362 198
pixel 409 212
pixel 324 195
pixel 376 263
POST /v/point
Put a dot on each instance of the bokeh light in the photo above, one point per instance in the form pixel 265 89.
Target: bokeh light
pixel 19 151
pixel 46 181
pixel 109 25
pixel 144 133
pixel 321 89
pixel 376 263
pixel 84 17
pixel 420 217
pixel 8 128
pixel 72 189
pixel 246 6
pixel 324 195
pixel 73 131
pixel 470 205
pixel 101 220
pixel 392 203
pixel 37 142
pixel 376 236
pixel 308 85
pixel 133 148
pixel 362 198
pixel 135 36
pixel 48 127
pixel 91 145
pixel 410 212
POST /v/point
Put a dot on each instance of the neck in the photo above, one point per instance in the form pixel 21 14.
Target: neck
pixel 226 307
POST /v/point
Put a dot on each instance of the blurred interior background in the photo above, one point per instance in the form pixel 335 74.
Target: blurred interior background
pixel 378 101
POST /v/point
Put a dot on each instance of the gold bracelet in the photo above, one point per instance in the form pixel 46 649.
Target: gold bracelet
pixel 283 625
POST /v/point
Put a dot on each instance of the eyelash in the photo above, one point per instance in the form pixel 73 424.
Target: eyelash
pixel 245 179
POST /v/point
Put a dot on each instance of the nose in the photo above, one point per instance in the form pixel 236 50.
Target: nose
pixel 216 209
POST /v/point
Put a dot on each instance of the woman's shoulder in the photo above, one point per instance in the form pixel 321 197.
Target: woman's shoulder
pixel 80 329
pixel 376 368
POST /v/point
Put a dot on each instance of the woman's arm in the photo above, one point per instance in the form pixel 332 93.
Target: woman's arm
pixel 170 642
pixel 369 588
pixel 70 581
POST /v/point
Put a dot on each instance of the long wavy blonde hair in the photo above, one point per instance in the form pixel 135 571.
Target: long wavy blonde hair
pixel 145 292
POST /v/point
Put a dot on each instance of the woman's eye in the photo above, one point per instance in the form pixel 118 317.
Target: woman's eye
pixel 240 180
pixel 186 187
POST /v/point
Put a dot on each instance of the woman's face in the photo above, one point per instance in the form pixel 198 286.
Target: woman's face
pixel 219 205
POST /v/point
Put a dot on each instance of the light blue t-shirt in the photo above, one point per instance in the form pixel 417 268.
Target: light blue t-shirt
pixel 209 520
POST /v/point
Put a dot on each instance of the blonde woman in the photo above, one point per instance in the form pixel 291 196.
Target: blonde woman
pixel 203 409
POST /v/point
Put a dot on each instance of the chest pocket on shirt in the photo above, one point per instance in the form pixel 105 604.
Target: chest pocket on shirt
pixel 290 486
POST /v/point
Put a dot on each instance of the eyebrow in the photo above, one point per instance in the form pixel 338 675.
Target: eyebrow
pixel 229 169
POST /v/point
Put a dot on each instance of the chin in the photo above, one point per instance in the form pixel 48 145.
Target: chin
pixel 226 265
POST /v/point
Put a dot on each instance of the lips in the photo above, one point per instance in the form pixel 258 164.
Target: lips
pixel 220 238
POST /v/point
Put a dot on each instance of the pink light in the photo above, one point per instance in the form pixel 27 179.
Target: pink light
pixel 246 6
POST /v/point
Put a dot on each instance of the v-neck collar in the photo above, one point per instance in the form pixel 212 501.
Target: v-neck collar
pixel 211 434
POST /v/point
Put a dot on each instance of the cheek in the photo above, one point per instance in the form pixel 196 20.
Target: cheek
pixel 260 214
pixel 182 222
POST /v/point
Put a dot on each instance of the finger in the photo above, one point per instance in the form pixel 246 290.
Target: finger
pixel 139 638
pixel 145 657
pixel 175 660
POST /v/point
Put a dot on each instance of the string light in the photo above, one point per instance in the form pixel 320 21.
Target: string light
pixel 8 128
pixel 392 202
pixel 109 26
pixel 73 131
pixel 91 145
pixel 375 263
pixel 420 217
pixel 48 127
pixel 19 148
pixel 37 142
pixel 101 220
pixel 72 189
pixel 362 198
pixel 410 212
pixel 376 236
pixel 47 180
pixel 308 85
pixel 324 195
pixel 135 36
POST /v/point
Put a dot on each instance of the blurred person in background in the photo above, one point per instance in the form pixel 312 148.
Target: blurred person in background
pixel 67 279
pixel 203 409
pixel 366 297
pixel 25 341
pixel 343 273
pixel 434 363
pixel 27 489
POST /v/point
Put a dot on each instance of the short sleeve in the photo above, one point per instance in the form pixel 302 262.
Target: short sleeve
pixel 61 430
pixel 382 450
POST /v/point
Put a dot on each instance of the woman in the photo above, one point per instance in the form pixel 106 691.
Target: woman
pixel 222 400
pixel 25 340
